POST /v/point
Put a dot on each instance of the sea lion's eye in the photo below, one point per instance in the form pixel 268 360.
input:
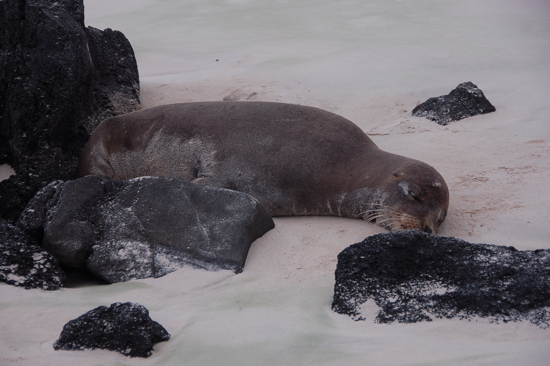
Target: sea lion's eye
pixel 414 192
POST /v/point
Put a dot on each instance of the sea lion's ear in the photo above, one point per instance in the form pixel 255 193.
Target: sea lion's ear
pixel 436 183
pixel 396 174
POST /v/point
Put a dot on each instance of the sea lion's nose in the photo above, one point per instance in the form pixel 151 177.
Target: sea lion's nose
pixel 428 229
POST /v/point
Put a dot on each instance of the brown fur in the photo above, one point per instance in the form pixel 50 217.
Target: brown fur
pixel 295 160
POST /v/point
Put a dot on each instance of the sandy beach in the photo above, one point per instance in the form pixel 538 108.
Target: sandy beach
pixel 371 62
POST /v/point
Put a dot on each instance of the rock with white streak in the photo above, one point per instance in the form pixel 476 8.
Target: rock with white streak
pixel 145 227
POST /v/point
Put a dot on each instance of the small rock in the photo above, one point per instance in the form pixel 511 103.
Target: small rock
pixel 466 100
pixel 123 327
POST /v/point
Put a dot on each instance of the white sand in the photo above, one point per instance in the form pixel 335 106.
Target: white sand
pixel 5 171
pixel 371 61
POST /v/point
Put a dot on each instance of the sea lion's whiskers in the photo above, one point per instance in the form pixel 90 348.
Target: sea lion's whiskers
pixel 377 209
pixel 372 217
pixel 385 220
pixel 393 219
pixel 382 215
pixel 385 217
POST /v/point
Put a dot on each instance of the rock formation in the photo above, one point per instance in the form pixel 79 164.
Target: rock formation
pixel 25 264
pixel 414 276
pixel 144 227
pixel 58 80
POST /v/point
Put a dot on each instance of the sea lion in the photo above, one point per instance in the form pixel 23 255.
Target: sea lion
pixel 296 160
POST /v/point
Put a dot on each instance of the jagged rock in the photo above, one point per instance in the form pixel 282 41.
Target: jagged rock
pixel 412 275
pixel 115 75
pixel 25 264
pixel 466 100
pixel 122 327
pixel 58 80
pixel 144 227
pixel 32 219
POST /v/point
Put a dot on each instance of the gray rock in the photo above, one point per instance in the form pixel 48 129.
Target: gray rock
pixel 25 264
pixel 33 217
pixel 58 80
pixel 414 276
pixel 145 227
pixel 123 327
pixel 466 100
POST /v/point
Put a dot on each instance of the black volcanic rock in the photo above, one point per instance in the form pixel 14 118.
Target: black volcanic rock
pixel 414 276
pixel 25 264
pixel 58 80
pixel 466 100
pixel 115 75
pixel 144 227
pixel 123 327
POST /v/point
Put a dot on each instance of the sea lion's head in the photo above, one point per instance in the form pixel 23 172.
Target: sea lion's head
pixel 416 197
